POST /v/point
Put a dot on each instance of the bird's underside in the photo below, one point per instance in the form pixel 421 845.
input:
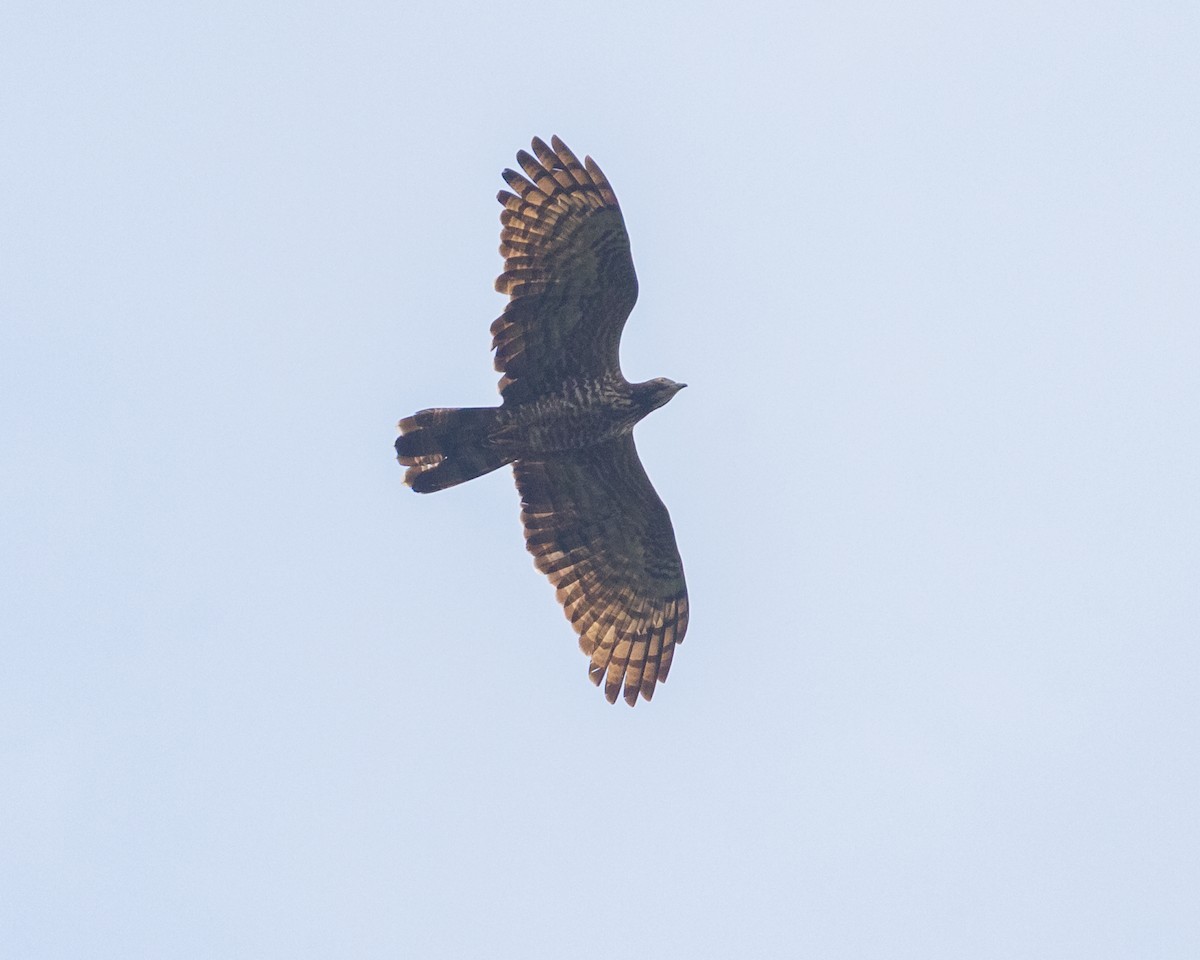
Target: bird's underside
pixel 592 520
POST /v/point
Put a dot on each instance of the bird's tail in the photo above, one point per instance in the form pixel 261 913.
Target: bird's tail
pixel 444 446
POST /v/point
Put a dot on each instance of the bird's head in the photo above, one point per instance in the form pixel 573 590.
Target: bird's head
pixel 658 391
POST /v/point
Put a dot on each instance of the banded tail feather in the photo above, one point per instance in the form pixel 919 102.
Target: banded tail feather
pixel 445 446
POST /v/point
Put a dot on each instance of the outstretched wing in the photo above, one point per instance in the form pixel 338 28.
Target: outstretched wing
pixel 601 534
pixel 568 271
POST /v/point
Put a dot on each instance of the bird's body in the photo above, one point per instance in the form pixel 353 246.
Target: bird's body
pixel 582 414
pixel 592 520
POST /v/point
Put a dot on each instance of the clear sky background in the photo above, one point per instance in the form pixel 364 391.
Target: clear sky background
pixel 931 271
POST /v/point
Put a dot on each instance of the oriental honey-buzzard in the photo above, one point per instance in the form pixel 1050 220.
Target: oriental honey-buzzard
pixel 592 520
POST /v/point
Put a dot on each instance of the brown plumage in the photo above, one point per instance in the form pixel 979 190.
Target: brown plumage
pixel 592 520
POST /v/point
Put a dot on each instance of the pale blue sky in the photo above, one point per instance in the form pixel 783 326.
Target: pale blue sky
pixel 930 270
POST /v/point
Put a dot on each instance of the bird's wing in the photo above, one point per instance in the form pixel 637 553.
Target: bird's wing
pixel 567 270
pixel 601 534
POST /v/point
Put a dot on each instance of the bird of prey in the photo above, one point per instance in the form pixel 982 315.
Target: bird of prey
pixel 592 520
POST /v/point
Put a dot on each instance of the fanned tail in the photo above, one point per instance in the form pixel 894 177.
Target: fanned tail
pixel 445 446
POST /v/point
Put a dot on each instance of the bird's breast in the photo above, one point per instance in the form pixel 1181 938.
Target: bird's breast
pixel 580 415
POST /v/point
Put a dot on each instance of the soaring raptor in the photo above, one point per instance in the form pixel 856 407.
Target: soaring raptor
pixel 592 520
